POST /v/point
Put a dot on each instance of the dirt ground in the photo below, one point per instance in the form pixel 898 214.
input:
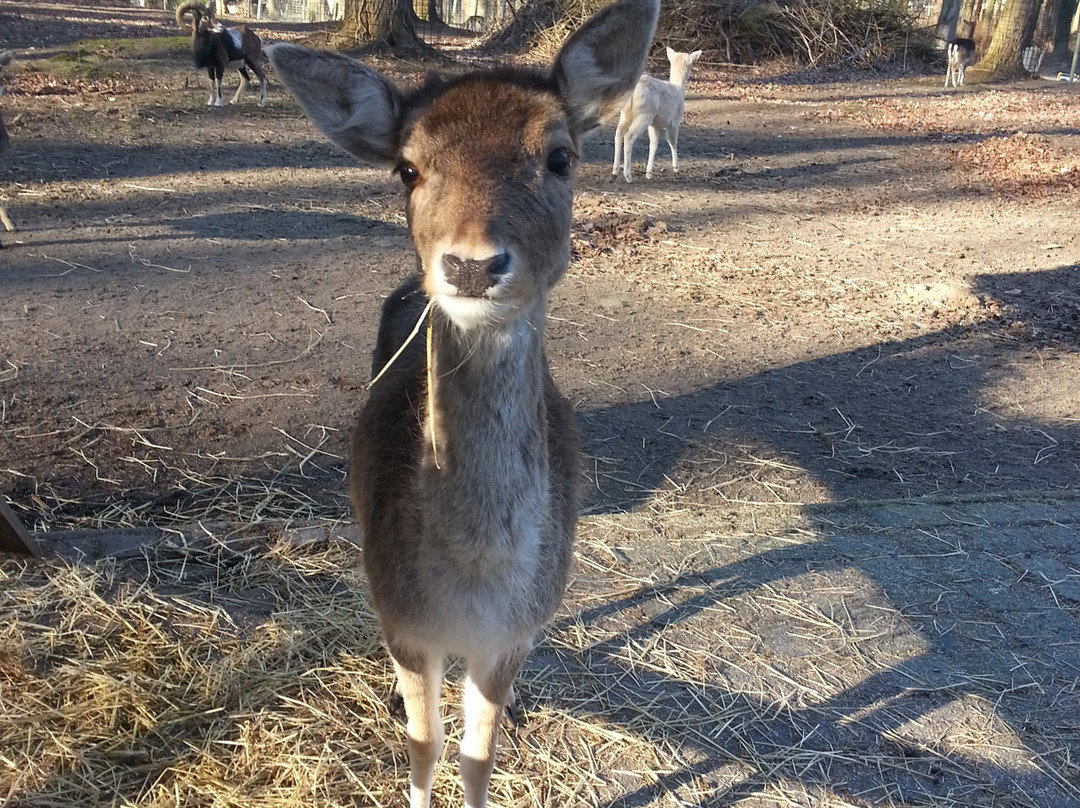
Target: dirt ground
pixel 860 291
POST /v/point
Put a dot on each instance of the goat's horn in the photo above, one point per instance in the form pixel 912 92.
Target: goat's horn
pixel 193 7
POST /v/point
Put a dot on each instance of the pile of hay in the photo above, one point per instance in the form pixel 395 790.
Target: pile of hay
pixel 217 669
pixel 816 33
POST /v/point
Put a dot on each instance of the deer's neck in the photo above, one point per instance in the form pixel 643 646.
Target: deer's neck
pixel 486 387
pixel 678 78
pixel 486 437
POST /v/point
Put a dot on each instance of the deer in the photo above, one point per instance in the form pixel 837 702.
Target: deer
pixel 464 460
pixel 659 106
pixel 5 141
pixel 217 48
pixel 961 55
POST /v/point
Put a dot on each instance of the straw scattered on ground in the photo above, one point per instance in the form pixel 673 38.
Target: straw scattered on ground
pixel 759 663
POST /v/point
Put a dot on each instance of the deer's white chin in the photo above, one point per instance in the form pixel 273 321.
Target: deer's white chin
pixel 472 312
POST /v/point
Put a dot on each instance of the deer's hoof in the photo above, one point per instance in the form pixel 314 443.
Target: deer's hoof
pixel 512 717
pixel 397 706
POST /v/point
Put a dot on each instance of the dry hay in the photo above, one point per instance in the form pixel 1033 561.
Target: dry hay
pixel 224 669
pixel 818 33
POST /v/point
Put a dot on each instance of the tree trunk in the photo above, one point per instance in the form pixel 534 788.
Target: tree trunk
pixel 948 17
pixel 1044 28
pixel 389 21
pixel 1063 30
pixel 1015 28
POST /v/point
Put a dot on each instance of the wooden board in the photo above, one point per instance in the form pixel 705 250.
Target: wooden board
pixel 14 537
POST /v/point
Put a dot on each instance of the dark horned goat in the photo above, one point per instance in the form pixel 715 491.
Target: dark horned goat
pixel 216 48
pixel 5 57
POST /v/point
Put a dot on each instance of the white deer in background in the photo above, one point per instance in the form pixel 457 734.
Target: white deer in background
pixel 465 464
pixel 656 105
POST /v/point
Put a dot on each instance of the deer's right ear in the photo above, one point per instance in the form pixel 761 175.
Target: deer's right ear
pixel 351 104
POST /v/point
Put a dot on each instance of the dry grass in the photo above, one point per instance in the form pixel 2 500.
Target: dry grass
pixel 753 665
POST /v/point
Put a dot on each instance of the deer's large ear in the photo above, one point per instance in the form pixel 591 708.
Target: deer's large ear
pixel 352 104
pixel 600 64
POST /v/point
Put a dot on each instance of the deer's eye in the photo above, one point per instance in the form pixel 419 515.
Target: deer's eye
pixel 409 174
pixel 559 162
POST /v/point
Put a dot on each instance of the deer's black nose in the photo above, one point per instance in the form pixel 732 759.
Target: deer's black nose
pixel 473 277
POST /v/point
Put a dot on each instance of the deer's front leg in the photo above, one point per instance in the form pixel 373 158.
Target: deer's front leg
pixel 488 692
pixel 419 683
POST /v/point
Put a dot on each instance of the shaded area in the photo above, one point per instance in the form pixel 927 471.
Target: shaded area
pixel 892 420
pixel 964 608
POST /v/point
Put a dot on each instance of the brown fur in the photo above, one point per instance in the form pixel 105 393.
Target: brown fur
pixel 466 490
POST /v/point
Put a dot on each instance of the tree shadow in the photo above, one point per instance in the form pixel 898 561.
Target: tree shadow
pixel 894 421
pixel 856 740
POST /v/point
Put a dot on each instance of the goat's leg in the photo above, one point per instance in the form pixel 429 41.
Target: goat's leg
pixel 487 691
pixel 961 71
pixel 218 73
pixel 673 144
pixel 654 140
pixel 419 682
pixel 210 73
pixel 251 47
pixel 244 80
pixel 8 224
pixel 262 79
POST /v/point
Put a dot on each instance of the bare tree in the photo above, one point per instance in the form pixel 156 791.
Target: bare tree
pixel 1063 29
pixel 1013 32
pixel 390 21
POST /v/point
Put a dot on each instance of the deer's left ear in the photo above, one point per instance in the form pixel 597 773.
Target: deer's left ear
pixel 600 64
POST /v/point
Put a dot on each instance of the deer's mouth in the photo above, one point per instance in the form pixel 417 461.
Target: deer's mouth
pixel 471 311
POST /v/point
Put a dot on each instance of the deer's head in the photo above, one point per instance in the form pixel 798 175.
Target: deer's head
pixel 487 159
